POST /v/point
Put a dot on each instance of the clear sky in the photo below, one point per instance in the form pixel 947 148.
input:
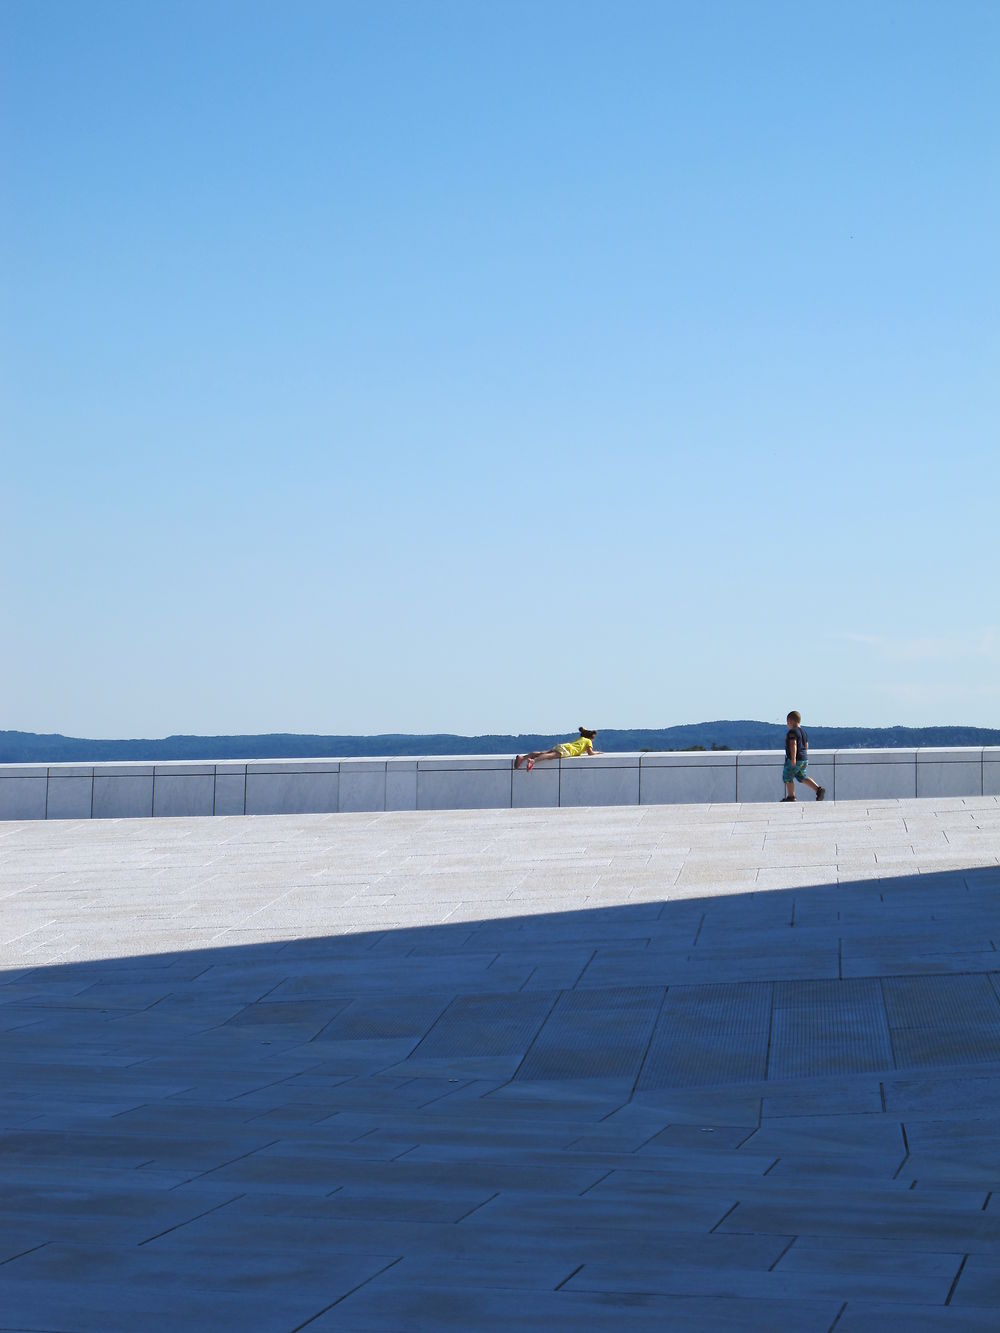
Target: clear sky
pixel 490 367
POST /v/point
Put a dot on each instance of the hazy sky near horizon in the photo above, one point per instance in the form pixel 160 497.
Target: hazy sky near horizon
pixel 381 366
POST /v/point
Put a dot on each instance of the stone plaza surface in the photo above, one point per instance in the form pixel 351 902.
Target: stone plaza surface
pixel 679 1067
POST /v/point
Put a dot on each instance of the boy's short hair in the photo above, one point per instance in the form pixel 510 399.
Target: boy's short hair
pixel 795 717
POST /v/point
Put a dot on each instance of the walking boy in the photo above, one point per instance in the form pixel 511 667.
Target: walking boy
pixel 797 759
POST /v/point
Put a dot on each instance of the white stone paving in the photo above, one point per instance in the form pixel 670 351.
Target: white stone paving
pixel 699 1067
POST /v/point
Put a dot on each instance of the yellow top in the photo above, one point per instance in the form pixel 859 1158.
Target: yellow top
pixel 572 749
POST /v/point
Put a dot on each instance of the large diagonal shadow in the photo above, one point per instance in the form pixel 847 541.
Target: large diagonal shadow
pixel 780 1099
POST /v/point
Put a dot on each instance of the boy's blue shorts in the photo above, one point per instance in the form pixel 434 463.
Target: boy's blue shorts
pixel 794 771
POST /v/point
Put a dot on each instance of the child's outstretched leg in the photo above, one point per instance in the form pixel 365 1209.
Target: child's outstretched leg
pixel 530 760
pixel 820 791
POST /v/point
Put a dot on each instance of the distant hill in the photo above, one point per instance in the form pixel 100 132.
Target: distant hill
pixel 26 747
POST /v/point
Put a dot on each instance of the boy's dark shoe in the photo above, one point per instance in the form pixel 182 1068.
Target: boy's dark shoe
pixel 786 798
pixel 821 793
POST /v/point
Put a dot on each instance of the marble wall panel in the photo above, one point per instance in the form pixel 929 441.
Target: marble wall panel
pixel 618 759
pixel 124 770
pixel 888 756
pixel 874 781
pixel 179 770
pixel 123 795
pixel 758 774
pixel 70 797
pixel 759 781
pixel 285 766
pixel 463 788
pixel 22 797
pixel 401 784
pixel 687 758
pixel 949 777
pixel 178 794
pixel 947 754
pixel 468 763
pixel 362 785
pixel 230 792
pixel 536 790
pixel 687 784
pixel 991 773
pixel 590 782
pixel 285 792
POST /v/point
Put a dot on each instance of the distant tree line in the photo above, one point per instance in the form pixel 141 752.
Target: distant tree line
pixel 25 747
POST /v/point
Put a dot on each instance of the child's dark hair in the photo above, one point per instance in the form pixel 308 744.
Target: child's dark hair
pixel 794 716
pixel 585 731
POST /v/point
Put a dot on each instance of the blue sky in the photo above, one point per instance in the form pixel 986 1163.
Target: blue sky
pixel 389 366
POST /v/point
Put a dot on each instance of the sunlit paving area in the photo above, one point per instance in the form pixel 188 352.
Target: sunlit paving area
pixel 676 1067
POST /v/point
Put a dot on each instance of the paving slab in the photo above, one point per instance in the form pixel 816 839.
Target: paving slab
pixel 691 1067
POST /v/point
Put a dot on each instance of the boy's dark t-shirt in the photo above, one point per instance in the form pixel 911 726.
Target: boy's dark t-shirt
pixel 802 740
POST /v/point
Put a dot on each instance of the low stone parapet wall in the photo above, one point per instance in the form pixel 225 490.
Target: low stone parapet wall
pixel 477 782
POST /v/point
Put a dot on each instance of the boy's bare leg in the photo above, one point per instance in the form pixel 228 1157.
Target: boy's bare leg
pixel 809 783
pixel 790 790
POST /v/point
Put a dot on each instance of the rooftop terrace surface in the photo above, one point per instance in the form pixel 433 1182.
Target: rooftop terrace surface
pixel 711 1067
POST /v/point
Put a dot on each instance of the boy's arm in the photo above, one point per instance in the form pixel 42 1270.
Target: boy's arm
pixel 793 750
